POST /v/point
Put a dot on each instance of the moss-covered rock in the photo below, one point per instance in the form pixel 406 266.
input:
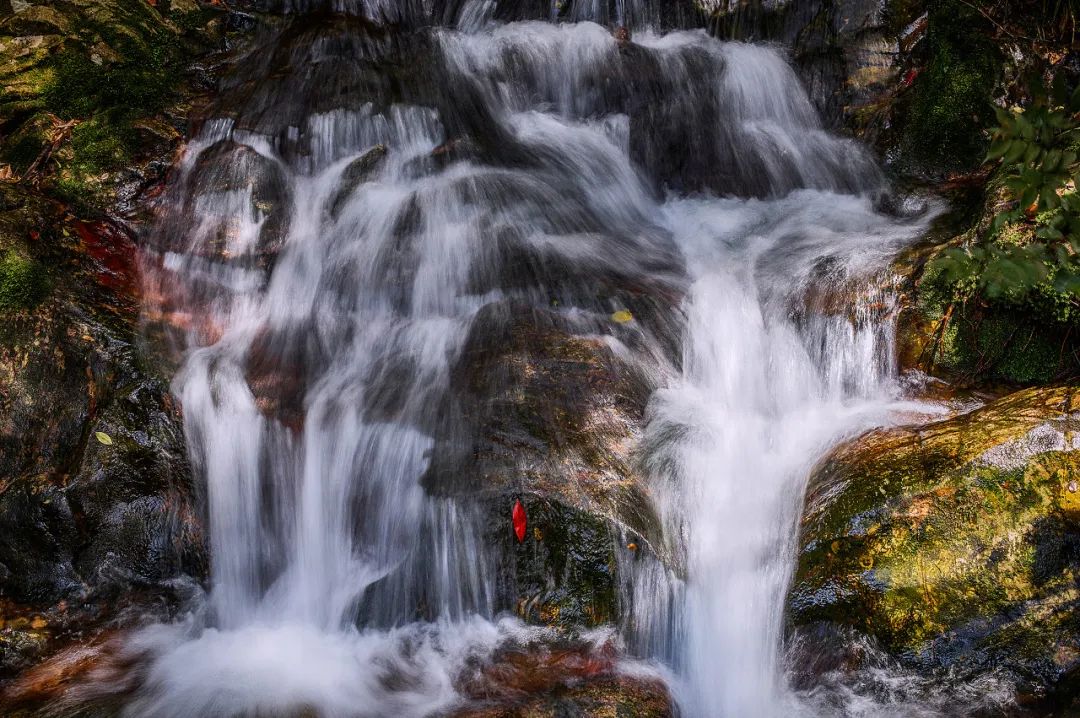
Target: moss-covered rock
pixel 80 79
pixel 22 282
pixel 956 543
pixel 949 98
pixel 1019 339
pixel 565 571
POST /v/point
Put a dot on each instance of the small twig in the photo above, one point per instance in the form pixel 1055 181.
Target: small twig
pixel 60 132
pixel 994 22
pixel 1064 343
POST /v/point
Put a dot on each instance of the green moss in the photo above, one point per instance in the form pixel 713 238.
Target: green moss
pixel 22 152
pixel 110 96
pixel 950 98
pixel 138 85
pixel 1024 340
pixel 1002 346
pixel 100 144
pixel 919 533
pixel 23 283
pixel 1019 354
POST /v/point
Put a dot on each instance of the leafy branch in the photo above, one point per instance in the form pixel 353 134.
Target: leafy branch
pixel 1032 247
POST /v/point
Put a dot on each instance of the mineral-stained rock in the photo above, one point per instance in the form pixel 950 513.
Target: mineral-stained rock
pixel 956 543
pixel 575 678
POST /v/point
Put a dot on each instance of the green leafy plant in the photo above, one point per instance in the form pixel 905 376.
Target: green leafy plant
pixel 1031 253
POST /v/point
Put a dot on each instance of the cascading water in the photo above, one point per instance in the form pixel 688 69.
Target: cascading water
pixel 328 246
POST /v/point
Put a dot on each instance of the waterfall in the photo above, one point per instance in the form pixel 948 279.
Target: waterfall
pixel 764 394
pixel 329 241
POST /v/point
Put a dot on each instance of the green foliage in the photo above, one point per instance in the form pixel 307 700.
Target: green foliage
pixel 22 282
pixel 1030 256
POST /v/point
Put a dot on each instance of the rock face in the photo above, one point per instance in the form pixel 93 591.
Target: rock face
pixel 666 14
pixel 545 406
pixel 912 77
pixel 552 414
pixel 96 504
pixel 98 515
pixel 955 544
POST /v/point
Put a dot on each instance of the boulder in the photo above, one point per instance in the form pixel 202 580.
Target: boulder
pixel 955 544
pixel 552 417
pixel 229 167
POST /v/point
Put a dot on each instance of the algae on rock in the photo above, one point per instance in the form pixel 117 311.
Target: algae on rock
pixel 956 543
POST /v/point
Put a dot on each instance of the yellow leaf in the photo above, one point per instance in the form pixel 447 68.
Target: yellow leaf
pixel 622 316
pixel 38 623
pixel 104 438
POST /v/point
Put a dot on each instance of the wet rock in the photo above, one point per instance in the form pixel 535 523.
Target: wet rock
pixel 540 397
pixel 561 679
pixel 553 419
pixel 846 50
pixel 322 63
pixel 359 171
pixel 95 490
pixel 955 544
pixel 659 14
pixel 277 371
pixel 910 77
pixel 229 167
pixel 241 22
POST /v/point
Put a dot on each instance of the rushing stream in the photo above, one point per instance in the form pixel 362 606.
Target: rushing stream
pixel 334 237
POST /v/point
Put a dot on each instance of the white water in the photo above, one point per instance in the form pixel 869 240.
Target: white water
pixel 762 398
pixel 338 585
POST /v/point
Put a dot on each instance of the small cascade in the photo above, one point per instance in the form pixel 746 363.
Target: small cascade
pixel 333 248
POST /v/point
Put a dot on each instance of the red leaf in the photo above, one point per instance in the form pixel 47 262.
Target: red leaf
pixel 519 521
